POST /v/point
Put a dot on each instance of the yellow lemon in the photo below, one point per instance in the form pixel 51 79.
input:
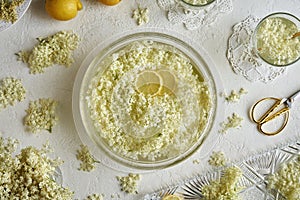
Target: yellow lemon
pixel 148 82
pixel 110 2
pixel 63 9
pixel 169 82
pixel 172 197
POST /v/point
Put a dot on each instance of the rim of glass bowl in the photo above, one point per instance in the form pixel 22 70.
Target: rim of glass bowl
pixel 286 15
pixel 20 12
pixel 194 6
pixel 84 124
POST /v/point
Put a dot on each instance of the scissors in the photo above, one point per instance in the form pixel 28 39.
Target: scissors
pixel 280 107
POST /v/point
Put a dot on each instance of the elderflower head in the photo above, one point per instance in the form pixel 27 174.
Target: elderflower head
pixel 233 121
pixel 86 158
pixel 11 90
pixel 55 49
pixel 235 96
pixel 41 115
pixel 129 183
pixel 217 159
pixel 224 188
pixel 286 180
pixel 141 15
pixel 29 174
pixel 95 197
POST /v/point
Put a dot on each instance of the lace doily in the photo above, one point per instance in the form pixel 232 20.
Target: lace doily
pixel 194 18
pixel 243 59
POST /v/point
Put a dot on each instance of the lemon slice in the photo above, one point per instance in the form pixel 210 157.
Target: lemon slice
pixel 169 82
pixel 149 83
pixel 172 197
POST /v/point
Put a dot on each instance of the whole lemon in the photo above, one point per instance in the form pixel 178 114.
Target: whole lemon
pixel 63 9
pixel 110 2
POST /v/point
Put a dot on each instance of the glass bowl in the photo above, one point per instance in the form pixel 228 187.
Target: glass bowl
pixel 147 100
pixel 273 39
pixel 195 4
pixel 20 10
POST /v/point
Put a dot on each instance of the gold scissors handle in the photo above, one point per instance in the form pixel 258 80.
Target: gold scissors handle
pixel 270 114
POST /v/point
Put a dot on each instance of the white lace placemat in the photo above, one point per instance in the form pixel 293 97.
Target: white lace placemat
pixel 191 18
pixel 243 59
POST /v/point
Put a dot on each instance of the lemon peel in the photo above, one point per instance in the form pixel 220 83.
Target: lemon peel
pixel 110 2
pixel 63 9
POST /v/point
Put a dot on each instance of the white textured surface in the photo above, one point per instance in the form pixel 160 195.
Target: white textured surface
pixel 95 23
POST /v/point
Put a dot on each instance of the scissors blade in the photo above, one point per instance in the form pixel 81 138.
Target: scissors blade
pixel 289 101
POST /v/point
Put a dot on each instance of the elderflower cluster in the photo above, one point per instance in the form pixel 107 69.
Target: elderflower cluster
pixel 29 174
pixel 55 49
pixel 235 96
pixel 41 115
pixel 233 121
pixel 226 187
pixel 139 126
pixel 217 159
pixel 86 158
pixel 11 90
pixel 129 183
pixel 8 10
pixel 286 180
pixel 141 15
pixel 95 197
